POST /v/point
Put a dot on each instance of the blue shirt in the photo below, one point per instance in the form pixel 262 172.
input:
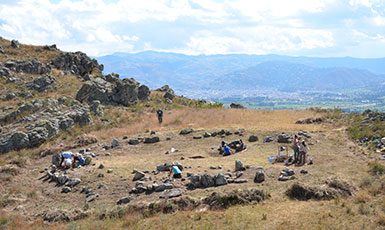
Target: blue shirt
pixel 67 155
pixel 227 149
pixel 176 170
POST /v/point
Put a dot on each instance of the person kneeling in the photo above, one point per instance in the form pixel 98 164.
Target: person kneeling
pixel 177 173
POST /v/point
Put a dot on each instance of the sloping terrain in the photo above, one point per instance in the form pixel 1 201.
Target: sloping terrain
pixel 126 184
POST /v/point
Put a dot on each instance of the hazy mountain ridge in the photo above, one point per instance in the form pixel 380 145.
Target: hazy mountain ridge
pixel 232 74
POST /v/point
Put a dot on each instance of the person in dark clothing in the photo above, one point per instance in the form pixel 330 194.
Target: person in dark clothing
pixel 160 115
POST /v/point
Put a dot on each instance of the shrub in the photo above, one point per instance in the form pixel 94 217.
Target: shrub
pixel 376 168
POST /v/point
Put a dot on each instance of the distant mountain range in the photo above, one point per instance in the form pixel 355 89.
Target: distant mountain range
pixel 237 74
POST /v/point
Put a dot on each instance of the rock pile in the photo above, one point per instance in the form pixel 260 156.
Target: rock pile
pixel 22 66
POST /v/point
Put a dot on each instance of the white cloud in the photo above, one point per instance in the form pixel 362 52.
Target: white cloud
pixel 194 26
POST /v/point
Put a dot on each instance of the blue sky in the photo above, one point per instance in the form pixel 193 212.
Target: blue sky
pixel 324 28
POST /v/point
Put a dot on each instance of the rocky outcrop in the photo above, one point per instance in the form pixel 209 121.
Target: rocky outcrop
pixel 77 63
pixel 34 123
pixel 41 83
pixel 117 92
pixel 165 89
pixel 28 67
pixel 15 44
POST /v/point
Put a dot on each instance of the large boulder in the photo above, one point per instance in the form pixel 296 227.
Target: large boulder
pixel 138 176
pixel 239 166
pixel 124 200
pixel 66 123
pixel 144 93
pixel 207 181
pixel 220 179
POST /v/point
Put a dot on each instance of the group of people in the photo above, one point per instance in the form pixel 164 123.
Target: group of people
pixel 233 147
pixel 300 151
pixel 69 160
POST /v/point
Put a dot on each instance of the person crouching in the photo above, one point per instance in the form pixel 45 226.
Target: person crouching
pixel 176 171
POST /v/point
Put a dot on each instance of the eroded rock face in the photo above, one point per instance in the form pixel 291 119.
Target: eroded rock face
pixel 125 92
pixel 28 67
pixel 77 63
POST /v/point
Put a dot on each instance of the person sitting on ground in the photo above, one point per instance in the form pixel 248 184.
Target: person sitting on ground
pixel 296 149
pixel 227 151
pixel 175 169
pixel 66 157
pixel 303 149
pixel 240 146
pixel 221 148
pixel 160 115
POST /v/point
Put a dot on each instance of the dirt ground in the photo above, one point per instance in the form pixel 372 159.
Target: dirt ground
pixel 332 153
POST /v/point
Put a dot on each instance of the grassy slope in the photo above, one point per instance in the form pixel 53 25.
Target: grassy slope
pixel 333 154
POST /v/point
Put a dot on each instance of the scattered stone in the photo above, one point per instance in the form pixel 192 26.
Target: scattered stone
pixel 162 187
pixel 186 131
pixel 101 166
pixel 310 121
pixel 284 138
pixel 101 175
pixel 239 166
pixel 66 189
pixel 259 177
pixel 133 141
pixel 138 175
pixel 73 182
pixel 241 181
pixel 253 138
pixel 62 179
pixel 91 197
pixel 303 171
pixel 124 200
pixel 109 170
pixel 115 143
pixel 150 140
pixel 238 174
pixel 197 137
pixel 171 193
pixel 268 139
pixel 206 135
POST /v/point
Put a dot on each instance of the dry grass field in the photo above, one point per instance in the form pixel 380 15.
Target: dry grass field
pixel 333 155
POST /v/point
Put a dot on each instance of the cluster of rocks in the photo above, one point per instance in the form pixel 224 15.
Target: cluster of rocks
pixel 77 63
pixel 23 66
pixel 286 174
pixel 42 83
pixel 169 93
pixel 318 120
pixel 237 106
pixel 111 90
pixel 33 123
pixel 285 138
pixel 222 133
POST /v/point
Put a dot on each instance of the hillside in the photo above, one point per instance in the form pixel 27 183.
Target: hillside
pixel 215 74
pixel 54 101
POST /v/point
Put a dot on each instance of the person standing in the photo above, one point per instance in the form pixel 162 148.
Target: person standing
pixel 303 149
pixel 296 149
pixel 160 115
